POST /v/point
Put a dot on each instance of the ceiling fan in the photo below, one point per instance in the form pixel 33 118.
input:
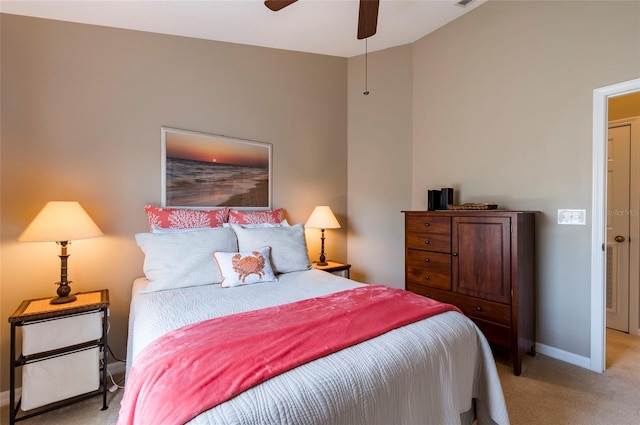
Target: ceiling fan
pixel 367 15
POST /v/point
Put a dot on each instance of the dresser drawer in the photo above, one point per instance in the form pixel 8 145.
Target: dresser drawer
pixel 427 224
pixel 429 241
pixel 429 268
pixel 470 306
pixel 494 332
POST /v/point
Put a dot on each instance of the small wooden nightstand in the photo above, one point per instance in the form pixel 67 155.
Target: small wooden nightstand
pixel 340 269
pixel 78 330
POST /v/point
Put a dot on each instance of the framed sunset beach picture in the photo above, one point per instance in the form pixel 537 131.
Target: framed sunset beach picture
pixel 202 170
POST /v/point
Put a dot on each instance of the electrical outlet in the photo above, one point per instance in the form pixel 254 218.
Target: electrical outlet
pixel 566 216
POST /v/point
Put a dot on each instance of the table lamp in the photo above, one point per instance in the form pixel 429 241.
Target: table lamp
pixel 61 222
pixel 322 218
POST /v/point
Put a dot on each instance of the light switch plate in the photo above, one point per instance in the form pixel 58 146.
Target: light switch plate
pixel 566 216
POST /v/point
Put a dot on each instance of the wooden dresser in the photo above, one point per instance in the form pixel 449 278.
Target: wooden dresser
pixel 482 262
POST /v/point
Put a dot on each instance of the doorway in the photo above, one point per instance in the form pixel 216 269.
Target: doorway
pixel 598 228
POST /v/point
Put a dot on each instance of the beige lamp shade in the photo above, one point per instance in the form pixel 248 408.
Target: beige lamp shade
pixel 60 221
pixel 322 218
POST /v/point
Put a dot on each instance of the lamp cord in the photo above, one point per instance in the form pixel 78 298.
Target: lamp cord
pixel 366 60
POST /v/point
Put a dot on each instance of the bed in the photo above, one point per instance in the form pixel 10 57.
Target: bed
pixel 437 370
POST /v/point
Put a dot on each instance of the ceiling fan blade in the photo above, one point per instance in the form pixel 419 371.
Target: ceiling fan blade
pixel 276 5
pixel 367 18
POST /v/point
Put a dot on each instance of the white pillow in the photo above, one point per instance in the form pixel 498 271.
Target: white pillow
pixel 157 229
pixel 283 223
pixel 245 268
pixel 288 245
pixel 177 260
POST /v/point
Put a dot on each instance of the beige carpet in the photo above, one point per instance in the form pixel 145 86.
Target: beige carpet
pixel 84 413
pixel 548 392
pixel 553 392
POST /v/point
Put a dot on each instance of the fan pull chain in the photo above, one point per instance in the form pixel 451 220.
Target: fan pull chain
pixel 366 90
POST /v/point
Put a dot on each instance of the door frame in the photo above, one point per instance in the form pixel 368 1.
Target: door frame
pixel 598 219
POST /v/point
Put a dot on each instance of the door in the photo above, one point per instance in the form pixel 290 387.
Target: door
pixel 481 253
pixel 618 214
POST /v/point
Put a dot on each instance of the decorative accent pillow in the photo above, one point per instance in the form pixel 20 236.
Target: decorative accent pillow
pixel 156 229
pixel 288 245
pixel 255 217
pixel 184 218
pixel 284 223
pixel 245 268
pixel 176 260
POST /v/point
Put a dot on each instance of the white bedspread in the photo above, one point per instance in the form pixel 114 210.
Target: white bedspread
pixel 425 373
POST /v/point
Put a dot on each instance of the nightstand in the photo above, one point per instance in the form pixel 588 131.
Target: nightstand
pixel 62 346
pixel 339 269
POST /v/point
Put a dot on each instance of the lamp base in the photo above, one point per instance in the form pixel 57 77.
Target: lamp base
pixel 323 258
pixel 64 290
pixel 63 300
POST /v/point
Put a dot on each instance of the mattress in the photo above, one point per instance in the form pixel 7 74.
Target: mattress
pixel 435 371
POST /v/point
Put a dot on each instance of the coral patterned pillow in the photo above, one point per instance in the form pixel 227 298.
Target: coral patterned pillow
pixel 245 268
pixel 184 218
pixel 256 217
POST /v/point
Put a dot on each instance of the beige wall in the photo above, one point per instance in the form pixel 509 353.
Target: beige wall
pixel 502 109
pixel 82 108
pixel 379 164
pixel 501 104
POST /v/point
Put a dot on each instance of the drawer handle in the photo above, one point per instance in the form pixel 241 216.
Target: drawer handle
pixel 426 242
pixel 427 295
pixel 426 260
pixel 455 254
pixel 426 277
pixel 479 308
pixel 426 224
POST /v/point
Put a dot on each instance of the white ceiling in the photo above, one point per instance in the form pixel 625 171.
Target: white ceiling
pixel 326 27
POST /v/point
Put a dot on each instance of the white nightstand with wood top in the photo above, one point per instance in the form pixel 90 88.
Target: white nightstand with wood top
pixel 62 348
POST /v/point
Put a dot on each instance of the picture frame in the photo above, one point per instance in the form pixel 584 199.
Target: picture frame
pixel 201 170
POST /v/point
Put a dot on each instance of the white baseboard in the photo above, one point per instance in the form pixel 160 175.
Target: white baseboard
pixel 114 368
pixel 565 356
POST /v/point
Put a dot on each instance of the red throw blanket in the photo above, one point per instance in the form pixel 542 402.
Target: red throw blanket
pixel 199 366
